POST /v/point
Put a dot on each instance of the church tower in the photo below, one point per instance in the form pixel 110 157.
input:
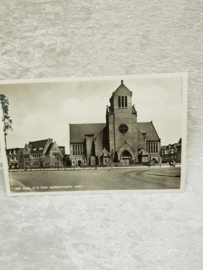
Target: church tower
pixel 121 120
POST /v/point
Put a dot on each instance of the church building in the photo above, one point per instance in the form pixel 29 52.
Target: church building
pixel 120 140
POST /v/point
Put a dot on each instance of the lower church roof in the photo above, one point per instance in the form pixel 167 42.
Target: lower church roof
pixel 78 131
pixel 148 127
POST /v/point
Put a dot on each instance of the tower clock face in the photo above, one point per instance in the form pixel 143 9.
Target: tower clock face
pixel 123 129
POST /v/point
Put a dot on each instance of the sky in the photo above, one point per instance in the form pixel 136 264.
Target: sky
pixel 44 110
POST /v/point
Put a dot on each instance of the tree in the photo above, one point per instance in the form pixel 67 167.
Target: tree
pixel 6 118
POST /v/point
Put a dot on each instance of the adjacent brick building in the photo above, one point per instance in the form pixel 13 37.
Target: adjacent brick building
pixel 43 154
pixel 121 139
pixel 171 152
pixel 15 158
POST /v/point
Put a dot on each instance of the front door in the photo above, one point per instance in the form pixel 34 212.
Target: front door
pixel 79 163
pixel 125 161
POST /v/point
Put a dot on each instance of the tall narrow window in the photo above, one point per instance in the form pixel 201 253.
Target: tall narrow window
pixel 122 102
pixel 119 102
pixel 126 104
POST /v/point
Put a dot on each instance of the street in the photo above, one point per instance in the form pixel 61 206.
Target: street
pixel 105 179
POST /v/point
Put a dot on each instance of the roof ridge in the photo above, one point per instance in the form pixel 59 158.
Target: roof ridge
pixel 39 140
pixel 122 84
pixel 155 130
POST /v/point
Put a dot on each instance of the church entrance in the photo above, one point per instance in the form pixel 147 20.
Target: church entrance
pixel 79 163
pixel 104 160
pixel 126 158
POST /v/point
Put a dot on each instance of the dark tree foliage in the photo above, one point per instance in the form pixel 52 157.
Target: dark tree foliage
pixel 7 122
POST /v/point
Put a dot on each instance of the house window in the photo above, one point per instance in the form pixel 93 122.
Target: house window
pixel 123 129
pixel 122 102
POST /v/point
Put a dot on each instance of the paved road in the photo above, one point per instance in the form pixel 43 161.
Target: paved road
pixel 114 179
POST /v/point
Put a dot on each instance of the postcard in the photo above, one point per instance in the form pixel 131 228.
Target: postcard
pixel 121 134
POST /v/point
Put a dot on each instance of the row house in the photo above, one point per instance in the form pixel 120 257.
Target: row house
pixel 171 152
pixel 15 158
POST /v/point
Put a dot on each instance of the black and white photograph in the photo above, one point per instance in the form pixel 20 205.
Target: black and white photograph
pixel 91 135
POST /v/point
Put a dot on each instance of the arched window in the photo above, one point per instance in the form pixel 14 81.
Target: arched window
pixel 123 129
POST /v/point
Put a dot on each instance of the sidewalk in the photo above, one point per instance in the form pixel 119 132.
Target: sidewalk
pixel 97 168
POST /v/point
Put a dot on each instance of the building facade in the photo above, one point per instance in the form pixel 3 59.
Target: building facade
pixel 121 139
pixel 171 152
pixel 43 154
pixel 15 158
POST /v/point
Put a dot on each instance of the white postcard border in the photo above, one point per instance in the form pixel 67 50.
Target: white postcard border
pixel 184 77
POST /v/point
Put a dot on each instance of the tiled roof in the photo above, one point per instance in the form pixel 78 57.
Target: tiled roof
pixel 38 144
pixel 123 87
pixel 78 131
pixel 148 127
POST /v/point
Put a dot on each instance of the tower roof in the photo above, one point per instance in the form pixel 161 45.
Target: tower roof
pixel 122 90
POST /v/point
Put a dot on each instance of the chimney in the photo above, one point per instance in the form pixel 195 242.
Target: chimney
pixel 121 81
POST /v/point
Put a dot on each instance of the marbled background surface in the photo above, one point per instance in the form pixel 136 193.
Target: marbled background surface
pixel 47 38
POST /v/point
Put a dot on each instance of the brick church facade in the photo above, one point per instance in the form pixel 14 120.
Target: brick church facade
pixel 120 140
